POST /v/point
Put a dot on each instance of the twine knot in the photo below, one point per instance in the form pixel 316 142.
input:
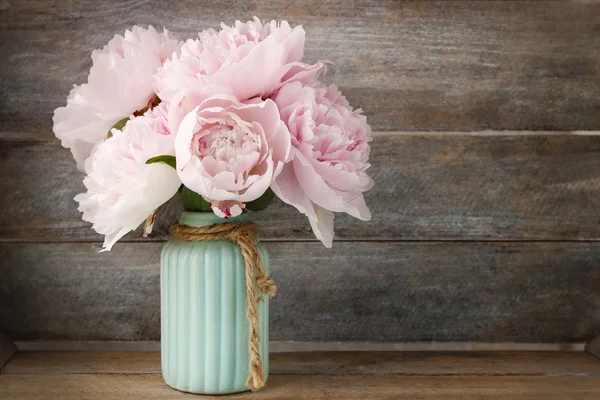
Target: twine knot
pixel 267 286
pixel 244 235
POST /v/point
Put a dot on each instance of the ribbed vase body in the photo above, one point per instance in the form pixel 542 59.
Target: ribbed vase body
pixel 204 328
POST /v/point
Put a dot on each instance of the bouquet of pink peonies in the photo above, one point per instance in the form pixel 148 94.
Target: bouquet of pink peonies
pixel 226 121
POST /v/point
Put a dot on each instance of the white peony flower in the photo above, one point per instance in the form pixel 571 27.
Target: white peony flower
pixel 122 190
pixel 119 85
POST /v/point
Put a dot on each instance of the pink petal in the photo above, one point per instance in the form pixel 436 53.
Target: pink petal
pixel 322 226
pixel 323 195
pixel 227 208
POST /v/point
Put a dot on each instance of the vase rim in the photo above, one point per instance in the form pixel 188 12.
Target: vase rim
pixel 197 219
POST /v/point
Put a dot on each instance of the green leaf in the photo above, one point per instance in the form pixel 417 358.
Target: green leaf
pixel 262 202
pixel 118 126
pixel 192 201
pixel 166 159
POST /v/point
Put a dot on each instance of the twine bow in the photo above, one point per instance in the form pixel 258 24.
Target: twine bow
pixel 244 235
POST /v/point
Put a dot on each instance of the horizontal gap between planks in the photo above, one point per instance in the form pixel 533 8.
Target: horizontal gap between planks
pixel 48 137
pixel 355 240
pixel 485 133
pixel 292 347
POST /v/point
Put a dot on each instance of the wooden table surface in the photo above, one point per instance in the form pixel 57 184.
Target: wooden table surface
pixel 317 375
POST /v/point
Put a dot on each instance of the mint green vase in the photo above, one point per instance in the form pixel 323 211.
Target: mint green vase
pixel 204 328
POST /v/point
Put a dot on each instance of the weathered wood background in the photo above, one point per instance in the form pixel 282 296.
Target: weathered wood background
pixel 477 235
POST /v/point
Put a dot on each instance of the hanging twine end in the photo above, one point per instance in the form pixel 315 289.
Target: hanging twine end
pixel 256 377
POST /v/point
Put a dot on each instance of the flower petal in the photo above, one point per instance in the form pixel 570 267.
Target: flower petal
pixel 227 208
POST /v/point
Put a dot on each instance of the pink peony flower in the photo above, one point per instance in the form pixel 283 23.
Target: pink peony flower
pixel 229 152
pixel 246 60
pixel 330 156
pixel 122 190
pixel 119 84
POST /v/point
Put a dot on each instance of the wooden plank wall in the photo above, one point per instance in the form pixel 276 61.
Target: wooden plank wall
pixel 486 158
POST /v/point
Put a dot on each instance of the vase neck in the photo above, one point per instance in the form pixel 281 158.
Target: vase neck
pixel 197 219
